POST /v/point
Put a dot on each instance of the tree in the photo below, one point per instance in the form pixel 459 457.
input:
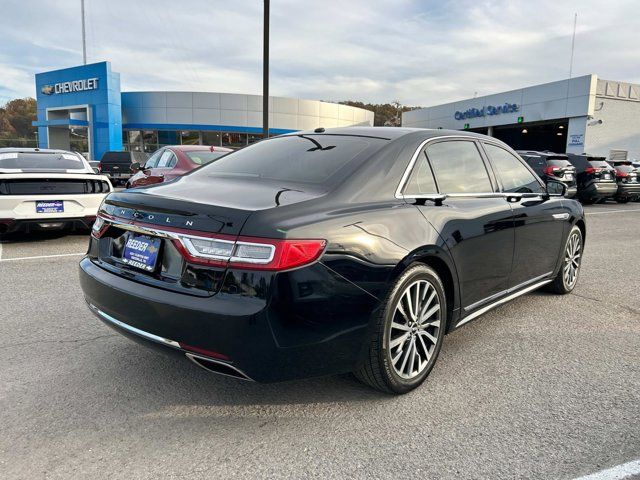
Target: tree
pixel 384 113
pixel 16 117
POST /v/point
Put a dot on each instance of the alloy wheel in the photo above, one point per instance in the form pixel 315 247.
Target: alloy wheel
pixel 414 329
pixel 572 256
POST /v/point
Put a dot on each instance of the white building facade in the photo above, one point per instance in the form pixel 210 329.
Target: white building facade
pixel 582 114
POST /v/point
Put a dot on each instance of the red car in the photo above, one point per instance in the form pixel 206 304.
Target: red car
pixel 168 163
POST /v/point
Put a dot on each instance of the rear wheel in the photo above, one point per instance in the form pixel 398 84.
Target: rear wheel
pixel 623 200
pixel 567 277
pixel 407 334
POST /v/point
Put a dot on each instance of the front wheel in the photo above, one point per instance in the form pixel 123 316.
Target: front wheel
pixel 567 277
pixel 407 333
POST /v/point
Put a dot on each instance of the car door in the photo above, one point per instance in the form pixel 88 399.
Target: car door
pixel 141 177
pixel 474 220
pixel 539 220
pixel 166 162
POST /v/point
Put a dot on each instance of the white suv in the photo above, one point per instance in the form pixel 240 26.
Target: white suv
pixel 48 189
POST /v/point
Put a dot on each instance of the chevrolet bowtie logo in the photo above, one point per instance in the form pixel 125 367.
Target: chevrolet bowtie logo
pixel 47 89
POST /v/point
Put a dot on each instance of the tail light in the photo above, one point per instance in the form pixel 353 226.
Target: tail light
pixel 620 173
pixel 99 167
pixel 551 170
pixel 249 252
pixel 592 170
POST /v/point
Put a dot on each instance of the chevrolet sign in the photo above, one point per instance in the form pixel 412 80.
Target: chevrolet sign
pixel 71 87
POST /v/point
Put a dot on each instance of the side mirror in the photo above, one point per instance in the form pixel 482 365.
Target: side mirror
pixel 135 167
pixel 96 170
pixel 556 189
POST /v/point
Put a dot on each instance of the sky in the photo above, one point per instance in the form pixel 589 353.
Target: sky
pixel 420 53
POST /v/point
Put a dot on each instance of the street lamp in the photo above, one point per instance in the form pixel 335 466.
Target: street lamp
pixel 265 72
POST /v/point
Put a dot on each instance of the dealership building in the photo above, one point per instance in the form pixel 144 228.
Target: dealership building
pixel 82 108
pixel 582 114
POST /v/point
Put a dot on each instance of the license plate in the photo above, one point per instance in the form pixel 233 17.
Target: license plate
pixel 141 252
pixel 50 206
pixel 568 176
pixel 607 176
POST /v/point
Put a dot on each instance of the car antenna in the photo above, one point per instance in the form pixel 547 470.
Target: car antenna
pixel 319 130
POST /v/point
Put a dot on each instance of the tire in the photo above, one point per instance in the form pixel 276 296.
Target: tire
pixel 419 340
pixel 623 200
pixel 563 283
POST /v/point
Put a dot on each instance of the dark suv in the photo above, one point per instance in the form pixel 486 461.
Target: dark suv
pixel 628 179
pixel 596 178
pixel 552 166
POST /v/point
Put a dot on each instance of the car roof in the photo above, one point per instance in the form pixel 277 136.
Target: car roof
pixel 193 148
pixel 388 133
pixel 33 150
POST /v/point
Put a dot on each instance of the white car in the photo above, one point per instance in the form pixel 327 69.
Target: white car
pixel 44 189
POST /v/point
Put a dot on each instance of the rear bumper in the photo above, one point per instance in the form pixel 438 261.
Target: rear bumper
pixel 23 207
pixel 626 190
pixel 599 190
pixel 53 223
pixel 265 331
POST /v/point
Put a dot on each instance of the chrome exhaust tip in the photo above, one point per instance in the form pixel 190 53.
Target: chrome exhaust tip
pixel 219 367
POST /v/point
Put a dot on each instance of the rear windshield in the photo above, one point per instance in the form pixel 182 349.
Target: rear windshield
pixel 41 161
pixel 202 157
pixel 599 164
pixel 295 158
pixel 116 157
pixel 559 163
pixel 535 162
pixel 625 168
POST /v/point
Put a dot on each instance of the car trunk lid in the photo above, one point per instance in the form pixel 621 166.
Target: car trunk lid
pixel 165 219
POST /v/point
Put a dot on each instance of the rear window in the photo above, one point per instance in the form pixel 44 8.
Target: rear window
pixel 116 157
pixel 535 162
pixel 559 163
pixel 41 161
pixel 296 158
pixel 599 164
pixel 625 168
pixel 202 157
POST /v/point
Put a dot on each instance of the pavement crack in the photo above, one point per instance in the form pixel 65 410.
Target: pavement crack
pixel 593 299
pixel 83 341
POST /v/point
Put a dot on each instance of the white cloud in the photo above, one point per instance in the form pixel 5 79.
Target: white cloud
pixel 420 52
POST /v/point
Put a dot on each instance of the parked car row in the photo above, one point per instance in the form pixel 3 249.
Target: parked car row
pixel 589 178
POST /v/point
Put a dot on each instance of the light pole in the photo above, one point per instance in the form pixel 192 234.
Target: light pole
pixel 265 72
pixel 84 36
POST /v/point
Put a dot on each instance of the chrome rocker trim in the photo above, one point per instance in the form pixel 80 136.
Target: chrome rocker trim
pixel 503 300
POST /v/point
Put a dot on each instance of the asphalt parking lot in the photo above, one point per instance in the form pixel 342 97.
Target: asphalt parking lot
pixel 543 387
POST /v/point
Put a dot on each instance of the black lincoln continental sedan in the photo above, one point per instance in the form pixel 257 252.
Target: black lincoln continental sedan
pixel 323 252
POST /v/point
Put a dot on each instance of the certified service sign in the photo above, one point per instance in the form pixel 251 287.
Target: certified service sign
pixel 70 87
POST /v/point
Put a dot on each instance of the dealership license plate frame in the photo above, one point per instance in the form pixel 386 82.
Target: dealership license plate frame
pixel 49 206
pixel 145 260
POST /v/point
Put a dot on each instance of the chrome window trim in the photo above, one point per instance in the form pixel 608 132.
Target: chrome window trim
pixel 414 158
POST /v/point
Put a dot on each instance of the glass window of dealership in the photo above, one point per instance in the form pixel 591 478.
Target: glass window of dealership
pixel 150 140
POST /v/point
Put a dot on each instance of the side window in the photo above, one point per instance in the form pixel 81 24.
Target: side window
pixel 458 167
pixel 153 159
pixel 421 179
pixel 516 178
pixel 173 161
pixel 165 159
